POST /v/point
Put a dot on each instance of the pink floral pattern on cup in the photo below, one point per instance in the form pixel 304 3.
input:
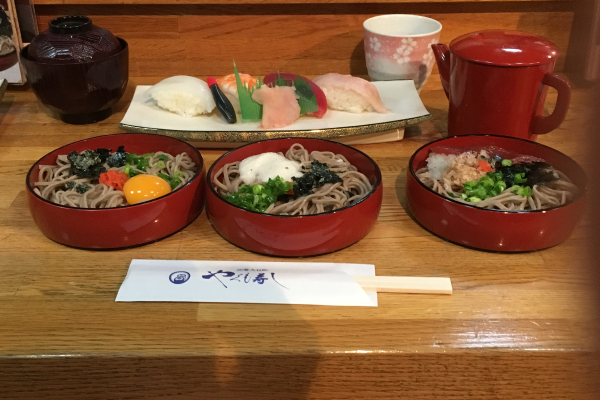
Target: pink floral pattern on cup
pixel 400 57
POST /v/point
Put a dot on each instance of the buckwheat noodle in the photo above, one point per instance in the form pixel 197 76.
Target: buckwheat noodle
pixel 52 179
pixel 354 185
pixel 553 194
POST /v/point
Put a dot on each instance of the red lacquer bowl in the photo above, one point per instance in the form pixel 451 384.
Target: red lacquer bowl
pixel 122 227
pixel 495 230
pixel 295 236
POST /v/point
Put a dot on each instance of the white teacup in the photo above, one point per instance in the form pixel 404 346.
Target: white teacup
pixel 398 46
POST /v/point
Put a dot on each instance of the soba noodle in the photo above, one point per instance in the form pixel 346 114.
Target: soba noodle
pixel 354 185
pixel 552 194
pixel 53 178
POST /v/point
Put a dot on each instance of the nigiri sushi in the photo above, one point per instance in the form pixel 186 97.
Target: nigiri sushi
pixel 350 93
pixel 228 86
pixel 183 95
pixel 280 106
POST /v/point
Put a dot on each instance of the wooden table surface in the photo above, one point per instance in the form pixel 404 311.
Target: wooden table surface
pixel 518 326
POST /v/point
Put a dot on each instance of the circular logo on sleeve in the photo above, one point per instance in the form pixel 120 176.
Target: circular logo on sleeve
pixel 179 277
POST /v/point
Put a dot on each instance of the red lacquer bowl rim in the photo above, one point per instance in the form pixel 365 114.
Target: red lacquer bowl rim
pixel 30 189
pixel 580 195
pixel 12 53
pixel 373 190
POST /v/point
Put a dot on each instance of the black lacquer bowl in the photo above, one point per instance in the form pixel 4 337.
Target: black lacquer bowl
pixel 81 93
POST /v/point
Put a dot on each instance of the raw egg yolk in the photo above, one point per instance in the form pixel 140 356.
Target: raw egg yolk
pixel 145 187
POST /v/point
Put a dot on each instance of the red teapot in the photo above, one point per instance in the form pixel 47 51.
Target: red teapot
pixel 497 82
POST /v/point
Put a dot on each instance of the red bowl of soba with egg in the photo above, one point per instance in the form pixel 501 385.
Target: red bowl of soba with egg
pixel 293 197
pixel 75 199
pixel 495 193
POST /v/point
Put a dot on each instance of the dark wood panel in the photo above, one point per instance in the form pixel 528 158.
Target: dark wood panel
pixel 204 2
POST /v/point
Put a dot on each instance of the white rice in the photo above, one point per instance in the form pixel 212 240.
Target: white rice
pixel 184 104
pixel 183 95
pixel 438 163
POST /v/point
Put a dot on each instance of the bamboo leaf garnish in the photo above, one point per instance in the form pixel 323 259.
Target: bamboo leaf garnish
pixel 251 110
pixel 306 97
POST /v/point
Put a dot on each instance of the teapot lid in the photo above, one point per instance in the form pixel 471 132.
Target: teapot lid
pixel 504 48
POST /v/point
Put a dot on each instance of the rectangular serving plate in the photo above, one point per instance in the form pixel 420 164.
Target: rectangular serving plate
pixel 211 130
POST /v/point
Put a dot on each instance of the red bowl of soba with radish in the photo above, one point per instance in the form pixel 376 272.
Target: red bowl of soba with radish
pixel 305 220
pixel 521 196
pixel 120 225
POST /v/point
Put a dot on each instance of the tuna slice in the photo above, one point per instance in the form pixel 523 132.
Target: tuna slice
pixel 280 107
pixel 341 91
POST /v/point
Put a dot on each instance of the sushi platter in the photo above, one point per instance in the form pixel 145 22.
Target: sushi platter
pixel 400 97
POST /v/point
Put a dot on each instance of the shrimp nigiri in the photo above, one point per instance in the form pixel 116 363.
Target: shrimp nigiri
pixel 228 86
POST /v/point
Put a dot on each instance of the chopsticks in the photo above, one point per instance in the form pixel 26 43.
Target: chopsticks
pixel 405 284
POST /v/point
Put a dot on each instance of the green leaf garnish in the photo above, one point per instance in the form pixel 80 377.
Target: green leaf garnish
pixel 280 81
pixel 306 97
pixel 251 110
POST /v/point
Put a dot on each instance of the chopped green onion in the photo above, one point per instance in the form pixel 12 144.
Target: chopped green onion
pixel 470 185
pixel 520 178
pixel 500 185
pixel 525 191
pixel 521 190
pixel 260 197
pixel 173 181
pixel 486 181
pixel 506 163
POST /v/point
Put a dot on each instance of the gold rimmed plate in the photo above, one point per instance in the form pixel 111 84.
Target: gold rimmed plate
pixel 400 97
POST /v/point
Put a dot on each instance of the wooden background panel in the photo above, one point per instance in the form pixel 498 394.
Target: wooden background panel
pixel 204 40
pixel 204 2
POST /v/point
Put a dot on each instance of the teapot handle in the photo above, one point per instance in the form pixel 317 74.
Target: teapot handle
pixel 541 124
pixel 441 53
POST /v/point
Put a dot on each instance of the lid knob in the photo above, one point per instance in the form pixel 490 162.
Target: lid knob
pixel 70 24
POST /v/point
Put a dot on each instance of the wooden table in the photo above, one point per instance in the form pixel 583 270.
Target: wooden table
pixel 517 327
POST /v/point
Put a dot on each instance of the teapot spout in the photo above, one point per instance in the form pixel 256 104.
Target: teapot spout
pixel 442 57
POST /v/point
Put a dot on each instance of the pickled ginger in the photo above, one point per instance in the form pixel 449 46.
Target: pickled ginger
pixel 280 106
